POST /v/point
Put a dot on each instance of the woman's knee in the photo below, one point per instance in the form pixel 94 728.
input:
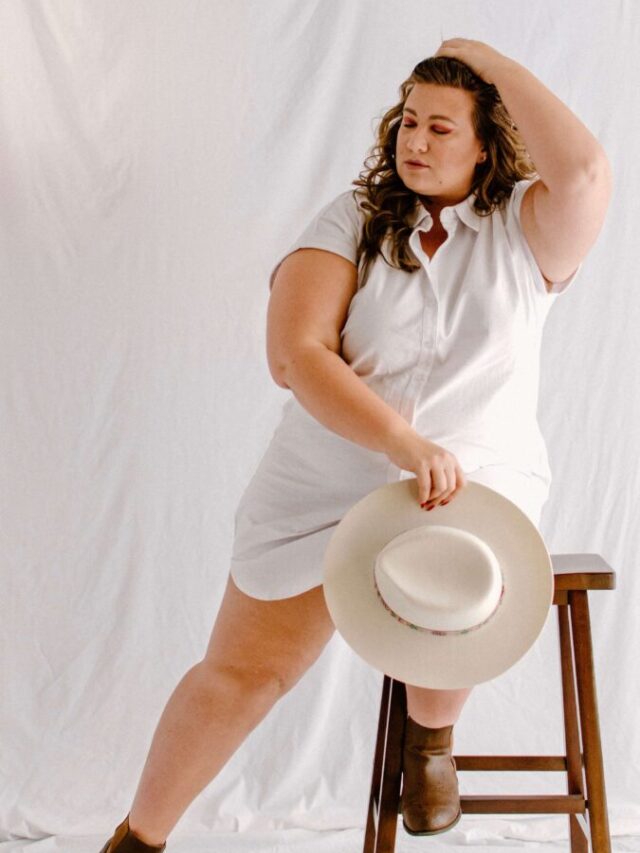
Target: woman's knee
pixel 268 645
pixel 242 684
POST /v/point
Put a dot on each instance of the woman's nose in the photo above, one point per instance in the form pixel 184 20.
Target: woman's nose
pixel 417 142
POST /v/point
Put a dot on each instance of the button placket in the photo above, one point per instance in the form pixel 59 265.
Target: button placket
pixel 419 376
pixel 428 339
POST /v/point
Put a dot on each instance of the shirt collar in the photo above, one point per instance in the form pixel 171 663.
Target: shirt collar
pixel 463 210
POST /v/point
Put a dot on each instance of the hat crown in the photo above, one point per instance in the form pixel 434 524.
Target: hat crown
pixel 439 578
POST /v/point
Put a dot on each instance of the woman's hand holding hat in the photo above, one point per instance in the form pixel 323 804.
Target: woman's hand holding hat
pixel 438 472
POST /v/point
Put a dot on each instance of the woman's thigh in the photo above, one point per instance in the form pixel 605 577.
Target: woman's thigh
pixel 269 640
pixel 528 492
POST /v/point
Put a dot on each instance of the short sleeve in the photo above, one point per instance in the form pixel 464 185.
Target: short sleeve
pixel 514 224
pixel 336 227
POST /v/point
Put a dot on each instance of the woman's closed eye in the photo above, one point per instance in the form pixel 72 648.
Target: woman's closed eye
pixel 435 128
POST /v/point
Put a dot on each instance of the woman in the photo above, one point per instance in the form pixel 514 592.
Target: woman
pixel 406 320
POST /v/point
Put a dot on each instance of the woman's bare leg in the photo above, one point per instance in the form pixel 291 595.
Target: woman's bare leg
pixel 258 650
pixel 435 708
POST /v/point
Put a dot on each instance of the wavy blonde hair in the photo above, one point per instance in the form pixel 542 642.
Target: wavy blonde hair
pixel 387 202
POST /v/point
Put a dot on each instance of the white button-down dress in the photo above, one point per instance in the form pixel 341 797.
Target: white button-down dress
pixel 454 347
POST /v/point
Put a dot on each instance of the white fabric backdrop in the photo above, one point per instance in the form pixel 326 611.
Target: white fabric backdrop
pixel 157 157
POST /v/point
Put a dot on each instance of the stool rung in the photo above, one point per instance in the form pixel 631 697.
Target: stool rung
pixel 525 803
pixel 520 803
pixel 511 762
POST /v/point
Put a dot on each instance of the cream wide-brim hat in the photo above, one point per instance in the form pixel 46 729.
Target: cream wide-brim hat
pixel 443 599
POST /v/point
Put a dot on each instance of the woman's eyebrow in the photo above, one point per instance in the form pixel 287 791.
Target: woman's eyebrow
pixel 446 118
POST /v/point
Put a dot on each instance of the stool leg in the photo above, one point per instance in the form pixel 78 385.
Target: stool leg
pixel 589 723
pixel 575 779
pixel 376 776
pixel 392 771
pixel 380 832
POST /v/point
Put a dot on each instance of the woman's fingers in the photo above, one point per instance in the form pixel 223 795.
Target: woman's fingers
pixel 437 470
pixel 439 482
pixel 460 475
pixel 446 483
pixel 437 479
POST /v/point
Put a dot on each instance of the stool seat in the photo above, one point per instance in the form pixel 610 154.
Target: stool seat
pixel 585 801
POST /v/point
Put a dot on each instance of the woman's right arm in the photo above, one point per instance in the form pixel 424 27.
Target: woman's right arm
pixel 308 307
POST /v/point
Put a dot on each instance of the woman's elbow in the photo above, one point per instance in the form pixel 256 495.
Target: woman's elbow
pixel 277 371
pixel 280 381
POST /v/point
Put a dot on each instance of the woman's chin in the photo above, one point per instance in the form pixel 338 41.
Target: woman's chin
pixel 416 177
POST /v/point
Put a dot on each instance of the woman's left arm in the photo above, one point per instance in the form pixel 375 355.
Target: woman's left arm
pixel 561 213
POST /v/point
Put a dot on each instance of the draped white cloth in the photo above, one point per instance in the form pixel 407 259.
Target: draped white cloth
pixel 157 158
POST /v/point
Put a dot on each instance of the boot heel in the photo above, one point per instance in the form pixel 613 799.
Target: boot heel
pixel 124 841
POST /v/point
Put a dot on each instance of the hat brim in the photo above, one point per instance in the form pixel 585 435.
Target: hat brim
pixel 421 658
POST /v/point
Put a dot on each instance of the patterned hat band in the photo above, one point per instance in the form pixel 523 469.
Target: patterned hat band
pixel 439 579
pixel 431 630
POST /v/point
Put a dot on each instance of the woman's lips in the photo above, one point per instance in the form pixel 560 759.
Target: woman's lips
pixel 416 165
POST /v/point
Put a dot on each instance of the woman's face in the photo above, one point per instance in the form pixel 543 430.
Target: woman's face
pixel 437 131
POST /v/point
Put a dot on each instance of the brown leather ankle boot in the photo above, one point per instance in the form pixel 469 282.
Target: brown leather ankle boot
pixel 124 841
pixel 430 797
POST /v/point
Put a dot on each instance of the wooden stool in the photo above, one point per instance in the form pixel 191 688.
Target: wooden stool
pixel 574 575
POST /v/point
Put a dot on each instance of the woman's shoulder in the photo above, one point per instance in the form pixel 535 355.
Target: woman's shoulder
pixel 336 227
pixel 508 209
pixel 340 219
pixel 346 206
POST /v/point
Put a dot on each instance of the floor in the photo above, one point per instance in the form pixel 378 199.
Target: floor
pixel 487 833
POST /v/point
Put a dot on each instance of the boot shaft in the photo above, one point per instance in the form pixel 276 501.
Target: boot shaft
pixel 124 841
pixel 423 740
